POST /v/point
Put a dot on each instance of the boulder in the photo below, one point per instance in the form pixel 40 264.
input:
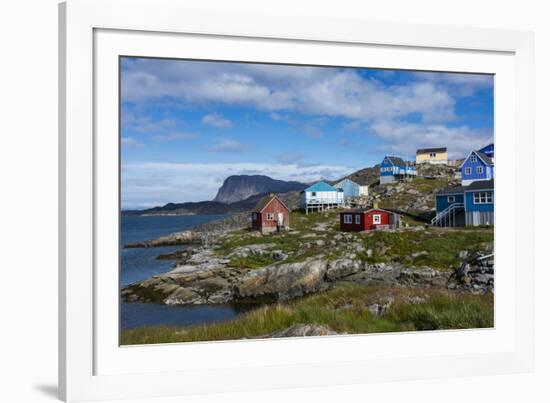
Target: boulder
pixel 279 255
pixel 302 330
pixel 340 268
pixel 183 296
pixel 283 281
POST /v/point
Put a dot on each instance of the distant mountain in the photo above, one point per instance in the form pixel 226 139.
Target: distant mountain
pixel 240 187
pixel 213 207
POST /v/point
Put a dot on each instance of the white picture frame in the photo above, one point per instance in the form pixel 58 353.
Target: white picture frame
pixel 92 366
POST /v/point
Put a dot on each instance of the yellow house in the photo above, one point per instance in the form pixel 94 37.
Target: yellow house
pixel 432 156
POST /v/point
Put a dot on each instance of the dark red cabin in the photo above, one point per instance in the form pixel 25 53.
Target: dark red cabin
pixel 270 214
pixel 366 220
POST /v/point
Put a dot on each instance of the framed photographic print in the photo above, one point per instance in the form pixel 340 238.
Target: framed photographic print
pixel 245 207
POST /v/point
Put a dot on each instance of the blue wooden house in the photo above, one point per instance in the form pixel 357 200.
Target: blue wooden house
pixel 465 205
pixel 352 189
pixel 477 166
pixel 321 196
pixel 393 169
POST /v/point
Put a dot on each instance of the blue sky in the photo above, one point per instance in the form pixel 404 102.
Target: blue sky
pixel 187 125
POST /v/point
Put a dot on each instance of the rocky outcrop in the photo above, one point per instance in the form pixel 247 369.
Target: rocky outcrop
pixel 177 238
pixel 301 330
pixel 476 275
pixel 283 281
pixel 205 278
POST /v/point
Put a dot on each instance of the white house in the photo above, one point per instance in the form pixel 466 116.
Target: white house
pixel 321 196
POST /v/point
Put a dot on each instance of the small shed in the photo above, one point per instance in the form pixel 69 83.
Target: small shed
pixel 270 214
pixel 368 219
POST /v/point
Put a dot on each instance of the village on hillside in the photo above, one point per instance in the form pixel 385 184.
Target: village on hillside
pixel 470 204
pixel 270 200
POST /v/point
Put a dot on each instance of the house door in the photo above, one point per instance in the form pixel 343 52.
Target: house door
pixel 280 219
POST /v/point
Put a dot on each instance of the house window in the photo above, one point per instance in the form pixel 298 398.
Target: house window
pixel 376 219
pixel 254 216
pixel 432 155
pixel 347 219
pixel 473 158
pixel 313 194
pixel 270 217
pixel 357 219
pixel 483 197
pixel 468 171
pixel 479 170
pixel 450 199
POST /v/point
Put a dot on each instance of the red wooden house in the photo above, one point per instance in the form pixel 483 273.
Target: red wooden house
pixel 270 214
pixel 368 219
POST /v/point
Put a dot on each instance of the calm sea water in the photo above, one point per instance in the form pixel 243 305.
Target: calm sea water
pixel 141 263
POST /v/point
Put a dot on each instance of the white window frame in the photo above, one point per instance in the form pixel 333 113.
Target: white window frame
pixel 358 219
pixel 270 216
pixel 484 197
pixel 433 155
pixel 473 158
pixel 377 219
pixel 348 219
pixel 479 170
pixel 468 171
pixel 451 199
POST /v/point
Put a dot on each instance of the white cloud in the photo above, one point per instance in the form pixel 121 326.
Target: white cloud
pixel 148 184
pixel 404 139
pixel 146 124
pixel 275 88
pixel 458 84
pixel 228 145
pixel 174 136
pixel 216 120
pixel 130 142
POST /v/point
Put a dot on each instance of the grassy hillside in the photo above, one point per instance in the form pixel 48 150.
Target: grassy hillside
pixel 346 309
pixel 319 234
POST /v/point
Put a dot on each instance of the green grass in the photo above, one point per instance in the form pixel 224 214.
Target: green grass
pixel 442 245
pixel 344 309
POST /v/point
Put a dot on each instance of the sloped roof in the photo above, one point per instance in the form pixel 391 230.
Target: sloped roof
pixel 264 201
pixel 431 150
pixel 321 187
pixel 478 185
pixel 396 160
pixel 451 191
pixel 365 210
pixel 483 157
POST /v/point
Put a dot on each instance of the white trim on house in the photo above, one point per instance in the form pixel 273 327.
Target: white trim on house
pixel 451 199
pixel 348 219
pixel 270 217
pixel 357 218
pixel 483 197
pixel 377 218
